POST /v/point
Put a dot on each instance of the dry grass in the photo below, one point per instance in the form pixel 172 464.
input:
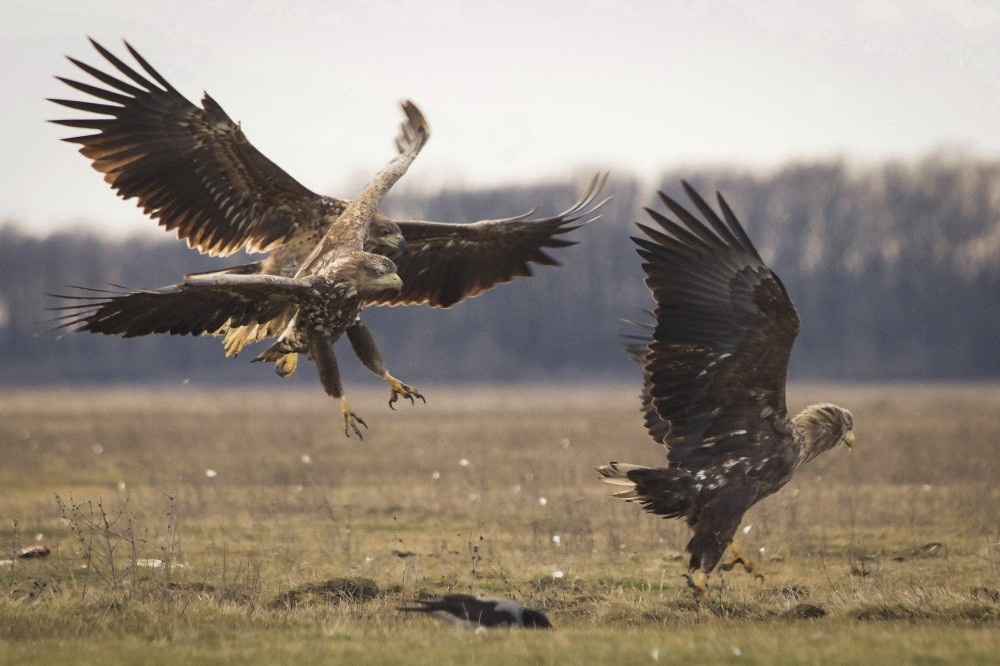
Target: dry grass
pixel 303 542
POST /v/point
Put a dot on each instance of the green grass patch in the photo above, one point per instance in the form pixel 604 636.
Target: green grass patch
pixel 301 545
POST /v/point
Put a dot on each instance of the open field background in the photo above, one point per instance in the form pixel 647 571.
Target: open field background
pixel 299 544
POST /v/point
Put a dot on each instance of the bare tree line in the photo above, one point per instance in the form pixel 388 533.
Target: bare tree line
pixel 894 267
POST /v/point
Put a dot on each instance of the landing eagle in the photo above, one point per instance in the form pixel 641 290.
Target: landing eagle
pixel 714 383
pixel 194 171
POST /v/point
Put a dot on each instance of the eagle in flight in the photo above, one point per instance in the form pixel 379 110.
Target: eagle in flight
pixel 193 170
pixel 715 362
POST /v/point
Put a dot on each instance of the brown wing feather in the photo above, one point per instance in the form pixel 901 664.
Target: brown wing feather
pixel 718 356
pixel 182 309
pixel 638 347
pixel 192 169
pixel 348 233
pixel 444 263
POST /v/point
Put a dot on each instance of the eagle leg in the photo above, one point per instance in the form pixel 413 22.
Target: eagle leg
pixel 367 351
pixel 737 557
pixel 321 352
pixel 399 389
pixel 698 581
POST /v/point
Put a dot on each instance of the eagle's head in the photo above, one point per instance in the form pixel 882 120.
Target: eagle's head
pixel 374 274
pixel 384 236
pixel 822 427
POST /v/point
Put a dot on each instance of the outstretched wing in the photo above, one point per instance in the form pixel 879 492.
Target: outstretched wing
pixel 445 263
pixel 192 169
pixel 717 358
pixel 637 347
pixel 348 233
pixel 198 307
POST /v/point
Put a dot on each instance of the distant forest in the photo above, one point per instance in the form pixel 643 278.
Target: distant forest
pixel 894 268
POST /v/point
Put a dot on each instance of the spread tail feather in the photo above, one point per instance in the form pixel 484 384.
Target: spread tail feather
pixel 665 491
pixel 616 473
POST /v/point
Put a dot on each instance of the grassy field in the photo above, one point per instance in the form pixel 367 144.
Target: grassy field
pixel 238 526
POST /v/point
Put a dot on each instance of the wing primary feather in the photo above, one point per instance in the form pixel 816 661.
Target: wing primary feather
pixel 109 80
pixel 121 66
pixel 101 93
pixel 737 228
pixel 149 69
pixel 706 211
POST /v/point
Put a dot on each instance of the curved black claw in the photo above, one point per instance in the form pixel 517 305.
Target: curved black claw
pixel 399 389
pixel 351 420
pixel 353 424
pixel 698 581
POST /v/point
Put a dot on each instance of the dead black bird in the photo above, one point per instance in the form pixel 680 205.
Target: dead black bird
pixel 468 612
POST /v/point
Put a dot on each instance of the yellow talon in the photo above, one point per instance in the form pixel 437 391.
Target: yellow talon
pixel 285 365
pixel 236 339
pixel 737 557
pixel 399 389
pixel 698 580
pixel 351 419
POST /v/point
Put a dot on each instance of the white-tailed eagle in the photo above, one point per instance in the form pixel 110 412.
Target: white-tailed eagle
pixel 714 382
pixel 194 171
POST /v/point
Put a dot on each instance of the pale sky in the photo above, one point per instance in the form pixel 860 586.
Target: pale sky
pixel 514 91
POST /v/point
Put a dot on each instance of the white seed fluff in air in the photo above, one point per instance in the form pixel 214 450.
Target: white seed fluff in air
pixel 542 501
pixel 464 462
pixel 211 473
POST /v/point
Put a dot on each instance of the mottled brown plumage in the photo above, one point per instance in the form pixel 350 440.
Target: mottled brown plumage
pixel 714 381
pixel 325 296
pixel 194 171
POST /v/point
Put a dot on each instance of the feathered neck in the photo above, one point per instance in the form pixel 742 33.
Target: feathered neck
pixel 819 428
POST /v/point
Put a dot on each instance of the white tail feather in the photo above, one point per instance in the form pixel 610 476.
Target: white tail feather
pixel 616 474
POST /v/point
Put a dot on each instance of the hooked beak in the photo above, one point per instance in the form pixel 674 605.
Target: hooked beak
pixel 390 281
pixel 392 244
pixel 849 440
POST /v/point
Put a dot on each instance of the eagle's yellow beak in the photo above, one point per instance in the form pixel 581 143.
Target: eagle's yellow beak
pixel 849 440
pixel 390 281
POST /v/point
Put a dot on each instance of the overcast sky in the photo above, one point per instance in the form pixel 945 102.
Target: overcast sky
pixel 514 91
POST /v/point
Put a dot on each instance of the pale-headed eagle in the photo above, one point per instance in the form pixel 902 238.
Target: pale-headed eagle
pixel 193 170
pixel 714 389
pixel 468 612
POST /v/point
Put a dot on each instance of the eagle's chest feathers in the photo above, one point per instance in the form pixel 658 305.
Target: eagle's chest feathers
pixel 335 306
